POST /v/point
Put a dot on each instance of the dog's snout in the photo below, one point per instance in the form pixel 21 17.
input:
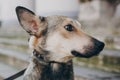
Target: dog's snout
pixel 90 50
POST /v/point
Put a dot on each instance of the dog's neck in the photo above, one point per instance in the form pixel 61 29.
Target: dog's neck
pixel 51 70
pixel 41 58
pixel 56 71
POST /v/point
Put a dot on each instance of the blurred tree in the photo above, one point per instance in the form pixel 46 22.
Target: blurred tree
pixel 113 2
pixel 112 6
pixel 83 1
pixel 108 7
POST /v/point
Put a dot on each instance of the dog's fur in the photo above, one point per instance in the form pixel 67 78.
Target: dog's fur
pixel 56 40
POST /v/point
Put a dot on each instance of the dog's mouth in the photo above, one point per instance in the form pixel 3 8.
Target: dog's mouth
pixel 85 55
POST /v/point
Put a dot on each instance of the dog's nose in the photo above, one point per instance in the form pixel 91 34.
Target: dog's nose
pixel 98 45
pixel 101 46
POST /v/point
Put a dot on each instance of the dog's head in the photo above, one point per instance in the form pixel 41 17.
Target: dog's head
pixel 59 36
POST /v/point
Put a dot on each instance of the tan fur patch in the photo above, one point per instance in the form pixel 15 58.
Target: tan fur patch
pixel 67 58
pixel 33 42
pixel 65 35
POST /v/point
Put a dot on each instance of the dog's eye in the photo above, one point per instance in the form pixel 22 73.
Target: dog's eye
pixel 69 27
pixel 42 18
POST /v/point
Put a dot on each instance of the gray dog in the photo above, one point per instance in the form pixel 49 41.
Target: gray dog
pixel 55 40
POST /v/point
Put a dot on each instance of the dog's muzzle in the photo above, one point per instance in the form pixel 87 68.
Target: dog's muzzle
pixel 90 51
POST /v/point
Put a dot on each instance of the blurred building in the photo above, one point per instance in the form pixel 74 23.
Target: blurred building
pixel 101 14
pixel 41 7
pixel 7 10
pixel 96 9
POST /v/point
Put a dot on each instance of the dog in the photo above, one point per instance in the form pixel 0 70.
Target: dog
pixel 55 41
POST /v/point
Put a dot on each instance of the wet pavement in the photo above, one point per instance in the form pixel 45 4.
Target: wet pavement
pixel 95 74
pixel 7 70
pixel 114 53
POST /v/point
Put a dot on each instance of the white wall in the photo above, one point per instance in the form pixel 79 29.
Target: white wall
pixel 7 8
pixel 57 7
pixel 118 11
pixel 0 10
pixel 89 10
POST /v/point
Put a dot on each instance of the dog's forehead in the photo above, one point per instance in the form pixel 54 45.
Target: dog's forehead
pixel 55 20
pixel 59 20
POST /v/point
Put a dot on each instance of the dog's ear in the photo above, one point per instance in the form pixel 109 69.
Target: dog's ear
pixel 28 20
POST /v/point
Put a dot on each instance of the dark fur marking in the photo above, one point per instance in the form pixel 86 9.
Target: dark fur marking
pixel 64 72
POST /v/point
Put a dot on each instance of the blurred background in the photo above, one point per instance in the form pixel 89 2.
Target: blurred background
pixel 100 18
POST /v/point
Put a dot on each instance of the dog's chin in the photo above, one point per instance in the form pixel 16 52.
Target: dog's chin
pixel 84 55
